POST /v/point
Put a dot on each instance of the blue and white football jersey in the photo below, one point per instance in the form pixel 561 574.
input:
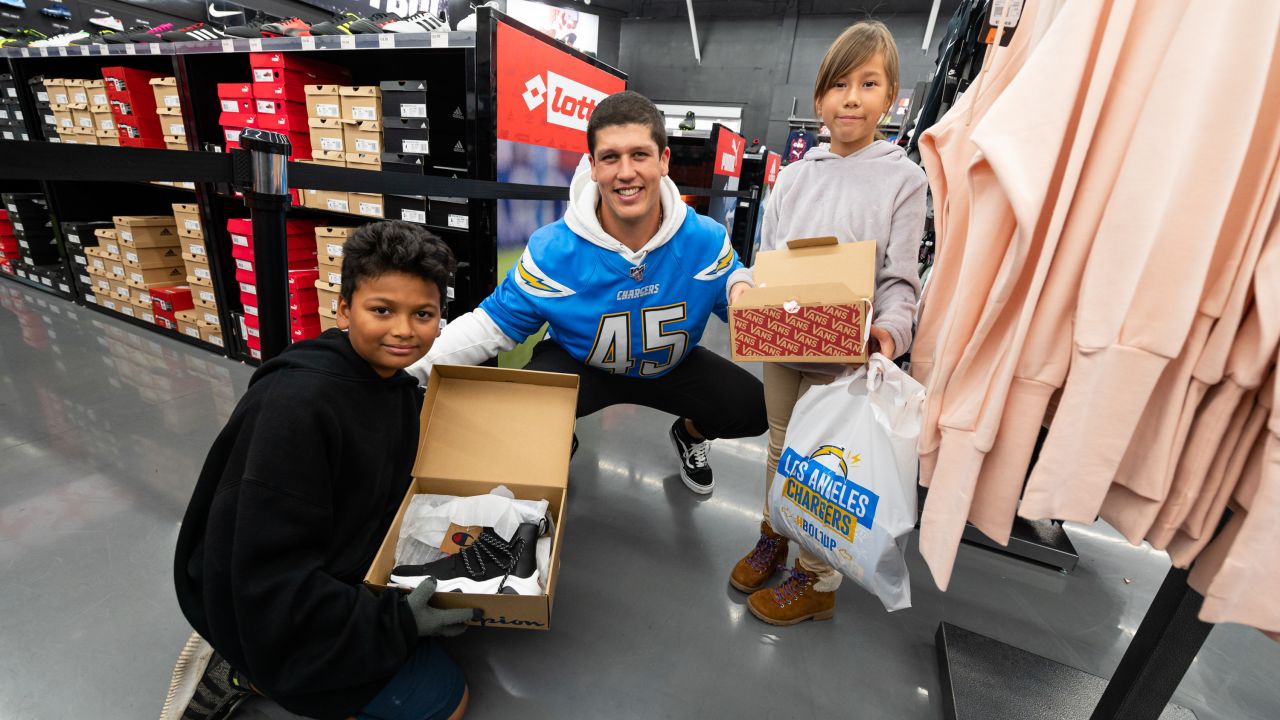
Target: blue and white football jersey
pixel 638 321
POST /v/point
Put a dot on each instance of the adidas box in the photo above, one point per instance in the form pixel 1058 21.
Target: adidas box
pixel 467 412
pixel 361 104
pixel 324 102
pixel 147 231
pixel 408 136
pixel 331 239
pixel 165 90
pixel 362 137
pixel 404 98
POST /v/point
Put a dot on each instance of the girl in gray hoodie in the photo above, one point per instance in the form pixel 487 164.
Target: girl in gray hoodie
pixel 859 187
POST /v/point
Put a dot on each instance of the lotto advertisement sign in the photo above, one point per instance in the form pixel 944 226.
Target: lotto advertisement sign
pixel 545 95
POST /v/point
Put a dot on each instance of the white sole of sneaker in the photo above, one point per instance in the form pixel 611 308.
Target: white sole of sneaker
pixel 700 489
pixel 187 672
pixel 522 586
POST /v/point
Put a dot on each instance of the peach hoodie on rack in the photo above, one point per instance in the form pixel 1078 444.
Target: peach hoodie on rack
pixel 1033 143
pixel 946 152
pixel 1147 470
pixel 1147 270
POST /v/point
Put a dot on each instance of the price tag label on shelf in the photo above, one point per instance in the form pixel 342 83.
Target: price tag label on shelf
pixel 459 221
pixel 308 43
pixel 44 52
pixel 84 49
pixel 228 45
pixel 439 39
pixel 131 49
pixel 155 48
pixel 62 51
pixel 255 45
pixel 103 49
pixel 347 42
pixel 26 52
pixel 387 40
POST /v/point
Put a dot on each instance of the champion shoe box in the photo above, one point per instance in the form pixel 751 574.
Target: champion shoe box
pixel 467 412
pixel 133 104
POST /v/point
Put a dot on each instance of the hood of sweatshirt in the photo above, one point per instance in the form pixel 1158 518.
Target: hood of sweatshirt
pixel 878 150
pixel 584 196
pixel 330 354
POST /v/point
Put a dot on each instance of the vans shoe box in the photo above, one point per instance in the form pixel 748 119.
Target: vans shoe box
pixel 467 410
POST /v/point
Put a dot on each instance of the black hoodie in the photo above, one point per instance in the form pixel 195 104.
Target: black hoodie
pixel 293 502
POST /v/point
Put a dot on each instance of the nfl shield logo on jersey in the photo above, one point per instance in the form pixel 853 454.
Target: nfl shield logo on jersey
pixel 637 272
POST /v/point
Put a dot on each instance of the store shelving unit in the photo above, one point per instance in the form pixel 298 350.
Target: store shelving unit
pixel 467 62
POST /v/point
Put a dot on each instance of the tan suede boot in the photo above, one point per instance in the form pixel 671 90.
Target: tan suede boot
pixel 793 601
pixel 770 553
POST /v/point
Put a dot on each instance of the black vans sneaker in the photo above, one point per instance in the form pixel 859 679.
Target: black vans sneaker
pixel 694 468
pixel 489 566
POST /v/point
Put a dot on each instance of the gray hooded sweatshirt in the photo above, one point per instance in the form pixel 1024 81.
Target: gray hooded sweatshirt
pixel 876 194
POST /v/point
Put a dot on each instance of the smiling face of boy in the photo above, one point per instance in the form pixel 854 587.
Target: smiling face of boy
pixel 392 320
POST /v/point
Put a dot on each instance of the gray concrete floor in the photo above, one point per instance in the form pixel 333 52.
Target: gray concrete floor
pixel 103 428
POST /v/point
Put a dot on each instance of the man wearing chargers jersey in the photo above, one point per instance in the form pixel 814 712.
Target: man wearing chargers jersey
pixel 627 281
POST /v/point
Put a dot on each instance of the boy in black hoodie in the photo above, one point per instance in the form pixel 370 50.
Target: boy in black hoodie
pixel 293 502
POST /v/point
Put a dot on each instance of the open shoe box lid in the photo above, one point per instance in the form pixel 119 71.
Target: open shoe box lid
pixel 485 427
pixel 813 270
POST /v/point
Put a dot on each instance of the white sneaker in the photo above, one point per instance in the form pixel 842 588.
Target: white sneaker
pixel 108 22
pixel 62 40
pixel 420 23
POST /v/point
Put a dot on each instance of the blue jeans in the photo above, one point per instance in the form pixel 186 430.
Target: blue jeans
pixel 428 687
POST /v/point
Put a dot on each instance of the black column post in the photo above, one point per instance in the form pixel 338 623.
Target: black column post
pixel 268 200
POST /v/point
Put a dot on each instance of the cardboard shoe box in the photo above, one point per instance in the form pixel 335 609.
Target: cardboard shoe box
pixel 187 218
pixel 466 411
pixel 330 270
pixel 147 231
pixel 327 135
pixel 331 239
pixel 327 298
pixel 369 205
pixel 198 272
pixel 811 303
pixel 171 124
pixel 362 103
pixel 152 258
pixel 362 137
pixel 165 90
pixel 324 102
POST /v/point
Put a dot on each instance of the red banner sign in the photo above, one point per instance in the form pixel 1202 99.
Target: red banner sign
pixel 729 149
pixel 772 164
pixel 545 95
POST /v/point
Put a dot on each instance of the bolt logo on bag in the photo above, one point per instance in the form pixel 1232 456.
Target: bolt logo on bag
pixel 845 484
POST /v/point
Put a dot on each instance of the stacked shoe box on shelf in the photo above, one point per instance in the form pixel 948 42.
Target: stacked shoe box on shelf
pixel 80 236
pixel 13 124
pixel 8 245
pixel 152 258
pixel 279 93
pixel 301 253
pixel 236 100
pixel 104 120
pixel 44 108
pixel 328 144
pixel 133 106
pixel 169 112
pixel 103 262
pixel 424 136
pixel 329 243
pixel 362 137
pixel 59 109
pixel 203 302
pixel 37 244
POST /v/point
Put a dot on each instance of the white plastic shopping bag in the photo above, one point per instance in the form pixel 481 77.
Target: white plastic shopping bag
pixel 845 488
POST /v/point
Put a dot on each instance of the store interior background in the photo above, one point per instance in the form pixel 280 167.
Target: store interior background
pixel 88 627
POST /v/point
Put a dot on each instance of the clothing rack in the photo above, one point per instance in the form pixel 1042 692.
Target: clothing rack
pixel 977 682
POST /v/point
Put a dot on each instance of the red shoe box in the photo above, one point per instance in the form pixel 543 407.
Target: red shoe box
pixel 283 68
pixel 249 303
pixel 284 117
pixel 300 262
pixel 122 80
pixel 241 93
pixel 171 299
pixel 303 257
pixel 305 328
pixel 301 233
pixel 237 120
pixel 301 305
pixel 248 283
pixel 143 142
pixel 302 280
pixel 281 93
pixel 165 319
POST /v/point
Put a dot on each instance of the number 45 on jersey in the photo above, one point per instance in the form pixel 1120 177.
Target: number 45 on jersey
pixel 612 349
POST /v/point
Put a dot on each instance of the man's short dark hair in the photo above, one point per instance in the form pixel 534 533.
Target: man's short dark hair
pixel 395 246
pixel 626 108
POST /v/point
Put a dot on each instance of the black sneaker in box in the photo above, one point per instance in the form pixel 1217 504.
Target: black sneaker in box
pixel 409 136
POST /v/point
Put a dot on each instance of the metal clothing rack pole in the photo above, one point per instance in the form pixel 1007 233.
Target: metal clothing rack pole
pixel 977 682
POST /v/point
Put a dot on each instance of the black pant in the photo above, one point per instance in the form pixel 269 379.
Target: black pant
pixel 722 399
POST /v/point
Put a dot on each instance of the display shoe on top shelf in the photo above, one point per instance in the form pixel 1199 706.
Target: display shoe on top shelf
pixel 291 27
pixel 97 38
pixel 339 25
pixel 23 37
pixel 57 11
pixel 62 40
pixel 15 4
pixel 252 31
pixel 107 21
pixel 375 24
pixel 420 23
pixel 488 566
pixel 199 31
pixel 139 35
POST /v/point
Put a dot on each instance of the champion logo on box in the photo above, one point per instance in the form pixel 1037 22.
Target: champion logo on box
pixel 571 102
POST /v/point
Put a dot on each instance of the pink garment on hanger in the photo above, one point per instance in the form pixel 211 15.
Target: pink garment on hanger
pixel 1147 269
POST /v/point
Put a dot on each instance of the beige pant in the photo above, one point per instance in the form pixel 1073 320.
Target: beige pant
pixel 783 387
